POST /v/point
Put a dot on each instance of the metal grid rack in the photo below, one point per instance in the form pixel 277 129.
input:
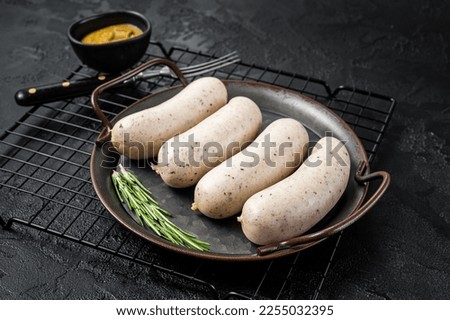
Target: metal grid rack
pixel 44 161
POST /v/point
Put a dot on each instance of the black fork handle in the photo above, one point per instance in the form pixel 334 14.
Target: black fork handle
pixel 62 90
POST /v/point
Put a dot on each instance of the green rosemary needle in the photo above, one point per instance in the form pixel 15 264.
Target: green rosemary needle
pixel 139 199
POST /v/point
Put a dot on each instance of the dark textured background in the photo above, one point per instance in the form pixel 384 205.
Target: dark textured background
pixel 400 250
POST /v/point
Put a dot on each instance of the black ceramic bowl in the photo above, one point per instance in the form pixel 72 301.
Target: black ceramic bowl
pixel 114 56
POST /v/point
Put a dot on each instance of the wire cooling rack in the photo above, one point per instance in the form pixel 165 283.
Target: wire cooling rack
pixel 44 162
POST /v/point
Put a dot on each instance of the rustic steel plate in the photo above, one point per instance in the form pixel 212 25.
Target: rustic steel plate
pixel 225 236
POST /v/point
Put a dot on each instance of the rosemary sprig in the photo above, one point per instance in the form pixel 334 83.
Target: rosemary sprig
pixel 139 199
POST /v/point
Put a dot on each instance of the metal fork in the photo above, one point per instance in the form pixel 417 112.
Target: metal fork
pixel 190 71
pixel 76 88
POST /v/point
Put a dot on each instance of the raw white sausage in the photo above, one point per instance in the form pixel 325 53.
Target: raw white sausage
pixel 185 158
pixel 141 134
pixel 274 154
pixel 294 205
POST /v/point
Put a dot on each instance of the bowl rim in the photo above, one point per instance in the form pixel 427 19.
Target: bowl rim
pixel 103 15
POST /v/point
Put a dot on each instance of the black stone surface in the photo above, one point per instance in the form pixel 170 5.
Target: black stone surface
pixel 400 250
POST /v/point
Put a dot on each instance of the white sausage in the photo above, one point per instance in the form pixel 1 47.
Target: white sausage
pixel 274 154
pixel 141 134
pixel 185 158
pixel 294 205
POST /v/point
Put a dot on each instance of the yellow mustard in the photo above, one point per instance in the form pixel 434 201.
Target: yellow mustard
pixel 117 32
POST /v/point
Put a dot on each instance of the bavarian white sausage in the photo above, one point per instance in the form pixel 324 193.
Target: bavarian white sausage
pixel 141 134
pixel 185 158
pixel 294 205
pixel 272 156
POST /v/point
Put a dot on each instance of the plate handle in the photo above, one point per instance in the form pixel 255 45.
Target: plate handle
pixel 303 241
pixel 106 134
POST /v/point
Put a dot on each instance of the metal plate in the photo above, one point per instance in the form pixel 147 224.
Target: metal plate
pixel 225 236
